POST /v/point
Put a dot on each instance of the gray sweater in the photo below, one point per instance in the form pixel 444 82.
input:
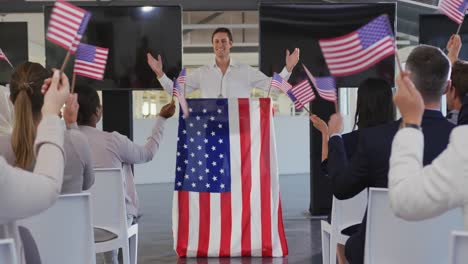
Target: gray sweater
pixel 78 173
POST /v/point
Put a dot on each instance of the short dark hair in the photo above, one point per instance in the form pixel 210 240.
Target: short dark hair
pixel 89 102
pixel 459 78
pixel 429 69
pixel 374 103
pixel 222 30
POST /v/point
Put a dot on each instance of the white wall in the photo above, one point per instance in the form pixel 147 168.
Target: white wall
pixel 292 139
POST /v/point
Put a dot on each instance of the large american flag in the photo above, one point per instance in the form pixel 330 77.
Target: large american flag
pixel 278 82
pixel 301 94
pixel 5 58
pixel 326 86
pixel 90 61
pixel 65 21
pixel 178 92
pixel 359 50
pixel 454 9
pixel 226 195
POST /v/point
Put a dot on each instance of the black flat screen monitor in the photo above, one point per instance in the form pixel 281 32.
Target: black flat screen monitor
pixel 129 32
pixel 288 26
pixel 436 30
pixel 14 43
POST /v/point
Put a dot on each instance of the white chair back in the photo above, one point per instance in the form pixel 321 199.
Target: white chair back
pixel 345 213
pixel 64 232
pixel 109 211
pixel 108 200
pixel 390 239
pixel 459 247
pixel 7 251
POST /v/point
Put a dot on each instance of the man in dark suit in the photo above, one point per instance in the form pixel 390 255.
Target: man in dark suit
pixel 429 70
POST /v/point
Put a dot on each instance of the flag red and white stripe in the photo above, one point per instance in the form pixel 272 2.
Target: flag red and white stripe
pixel 247 221
pixel 359 50
pixel 454 9
pixel 303 93
pixel 64 23
pixel 5 58
pixel 90 61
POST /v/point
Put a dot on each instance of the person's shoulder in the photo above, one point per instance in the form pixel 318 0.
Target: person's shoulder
pixel 75 134
pixel 204 68
pixel 74 137
pixel 389 128
pixel 460 133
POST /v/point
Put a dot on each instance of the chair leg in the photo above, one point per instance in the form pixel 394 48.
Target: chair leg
pixel 126 253
pixel 133 248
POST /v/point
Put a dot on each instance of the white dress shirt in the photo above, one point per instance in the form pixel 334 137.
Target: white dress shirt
pixel 418 192
pixel 237 82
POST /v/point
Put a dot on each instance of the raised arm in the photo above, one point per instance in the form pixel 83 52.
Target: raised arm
pixel 192 81
pixel 415 192
pixel 133 153
pixel 453 47
pixel 23 193
pixel 260 80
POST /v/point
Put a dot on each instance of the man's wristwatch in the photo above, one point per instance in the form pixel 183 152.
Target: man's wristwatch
pixel 415 126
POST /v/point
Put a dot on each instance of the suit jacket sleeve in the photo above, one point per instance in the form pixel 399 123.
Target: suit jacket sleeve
pixel 348 177
pixel 418 193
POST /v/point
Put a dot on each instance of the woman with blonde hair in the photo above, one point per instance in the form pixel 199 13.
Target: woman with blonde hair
pixel 23 193
pixel 18 148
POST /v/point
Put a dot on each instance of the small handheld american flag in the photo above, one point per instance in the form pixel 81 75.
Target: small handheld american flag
pixel 90 61
pixel 278 82
pixel 301 94
pixel 326 86
pixel 359 50
pixel 454 9
pixel 5 58
pixel 81 31
pixel 65 22
pixel 179 93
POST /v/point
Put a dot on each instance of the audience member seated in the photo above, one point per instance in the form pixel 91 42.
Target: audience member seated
pixel 374 107
pixel 417 192
pixel 113 150
pixel 23 193
pixel 368 167
pixel 18 148
pixel 457 90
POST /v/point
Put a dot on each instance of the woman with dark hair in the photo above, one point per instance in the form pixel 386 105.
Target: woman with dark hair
pixel 18 148
pixel 374 107
pixel 114 150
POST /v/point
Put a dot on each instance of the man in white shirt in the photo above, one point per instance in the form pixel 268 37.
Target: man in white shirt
pixel 224 78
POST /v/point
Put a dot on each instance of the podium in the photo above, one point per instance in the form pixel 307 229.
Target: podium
pixel 226 193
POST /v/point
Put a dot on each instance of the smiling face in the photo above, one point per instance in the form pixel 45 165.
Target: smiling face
pixel 221 44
